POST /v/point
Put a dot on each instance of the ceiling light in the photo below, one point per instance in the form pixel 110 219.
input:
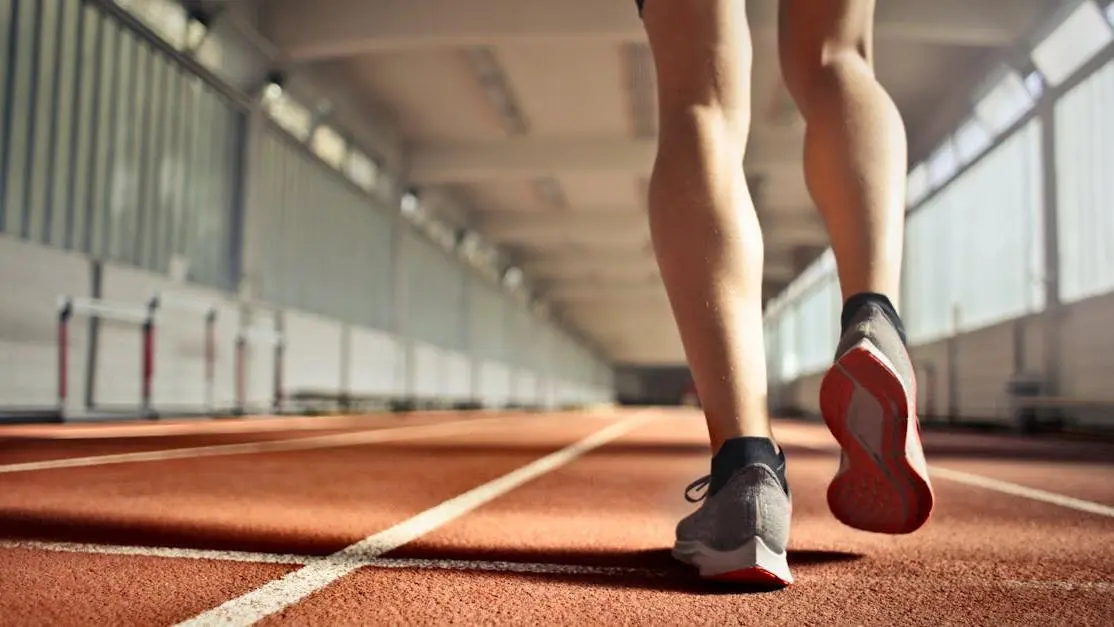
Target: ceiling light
pixel 409 202
pixel 512 277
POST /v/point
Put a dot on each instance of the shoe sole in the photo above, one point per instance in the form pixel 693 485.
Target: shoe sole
pixel 882 485
pixel 753 563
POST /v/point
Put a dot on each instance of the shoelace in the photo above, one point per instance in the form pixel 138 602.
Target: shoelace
pixel 700 484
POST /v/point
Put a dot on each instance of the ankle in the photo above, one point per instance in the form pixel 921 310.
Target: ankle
pixel 856 302
pixel 739 452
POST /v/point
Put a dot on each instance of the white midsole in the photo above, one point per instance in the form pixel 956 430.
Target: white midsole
pixel 753 553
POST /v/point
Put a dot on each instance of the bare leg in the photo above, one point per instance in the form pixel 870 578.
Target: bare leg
pixel 705 231
pixel 855 166
pixel 855 159
pixel 709 248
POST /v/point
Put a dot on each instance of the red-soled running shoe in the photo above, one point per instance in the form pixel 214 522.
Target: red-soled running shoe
pixel 740 532
pixel 869 401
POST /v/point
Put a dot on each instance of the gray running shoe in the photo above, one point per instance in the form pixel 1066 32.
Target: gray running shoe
pixel 869 402
pixel 740 532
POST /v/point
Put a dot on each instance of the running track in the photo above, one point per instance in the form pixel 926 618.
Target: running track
pixel 504 518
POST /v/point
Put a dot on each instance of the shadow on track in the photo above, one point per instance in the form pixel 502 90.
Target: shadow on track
pixel 649 569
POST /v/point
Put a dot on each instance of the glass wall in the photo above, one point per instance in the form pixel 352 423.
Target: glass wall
pixel 1085 190
pixel 975 251
pixel 110 148
pixel 124 136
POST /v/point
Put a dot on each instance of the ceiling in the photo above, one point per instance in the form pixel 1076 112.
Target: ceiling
pixel 537 118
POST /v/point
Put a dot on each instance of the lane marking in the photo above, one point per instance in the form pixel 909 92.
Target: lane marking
pixel 516 567
pixel 540 568
pixel 154 551
pixel 997 485
pixel 282 593
pixel 1072 586
pixel 198 427
pixel 301 560
pixel 1014 489
pixel 271 446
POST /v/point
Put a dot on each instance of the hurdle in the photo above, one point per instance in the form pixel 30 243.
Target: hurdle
pixel 177 302
pixel 266 337
pixel 144 317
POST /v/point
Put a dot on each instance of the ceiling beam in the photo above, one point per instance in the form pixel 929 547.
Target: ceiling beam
pixel 792 234
pixel 526 158
pixel 516 224
pixel 579 262
pixel 332 29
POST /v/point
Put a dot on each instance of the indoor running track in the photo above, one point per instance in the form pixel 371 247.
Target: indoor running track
pixel 516 518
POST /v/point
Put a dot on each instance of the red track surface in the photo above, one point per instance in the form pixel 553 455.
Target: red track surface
pixel 583 543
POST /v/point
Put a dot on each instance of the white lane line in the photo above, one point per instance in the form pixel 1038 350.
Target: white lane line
pixel 1014 489
pixel 1073 586
pixel 199 427
pixel 538 568
pixel 301 560
pixel 315 575
pixel 272 446
pixel 154 551
pixel 514 567
pixel 996 485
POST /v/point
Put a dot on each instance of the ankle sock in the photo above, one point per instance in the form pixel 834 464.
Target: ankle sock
pixel 737 453
pixel 860 300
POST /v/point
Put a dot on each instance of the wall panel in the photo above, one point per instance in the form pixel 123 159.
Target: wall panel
pixel 486 323
pixel 373 362
pixel 324 247
pixel 34 278
pixel 179 382
pixel 313 356
pixel 435 293
pixel 1085 159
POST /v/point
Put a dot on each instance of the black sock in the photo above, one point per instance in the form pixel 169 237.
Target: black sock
pixel 739 452
pixel 858 301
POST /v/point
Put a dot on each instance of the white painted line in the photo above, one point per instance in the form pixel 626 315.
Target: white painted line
pixel 996 485
pixel 285 558
pixel 1073 586
pixel 150 551
pixel 1014 489
pixel 540 568
pixel 198 427
pixel 272 446
pixel 514 567
pixel 282 593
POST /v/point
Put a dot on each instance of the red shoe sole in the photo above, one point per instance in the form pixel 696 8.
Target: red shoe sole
pixel 754 576
pixel 870 413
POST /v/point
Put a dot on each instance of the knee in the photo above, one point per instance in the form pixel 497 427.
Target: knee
pixel 818 40
pixel 703 125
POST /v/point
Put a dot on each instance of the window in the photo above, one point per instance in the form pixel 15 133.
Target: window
pixel 1005 103
pixel 165 17
pixel 917 185
pixel 196 34
pixel 512 278
pixel 329 145
pixel 943 164
pixel 1078 38
pixel 488 260
pixel 971 140
pixel 1034 82
pixel 409 202
pixel 287 112
pixel 440 233
pixel 470 246
pixel 362 170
